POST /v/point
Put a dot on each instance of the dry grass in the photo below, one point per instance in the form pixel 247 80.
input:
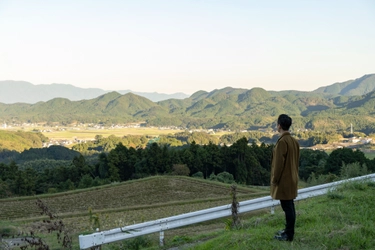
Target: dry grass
pixel 126 203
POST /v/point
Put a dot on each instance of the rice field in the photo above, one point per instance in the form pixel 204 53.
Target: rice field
pixel 89 133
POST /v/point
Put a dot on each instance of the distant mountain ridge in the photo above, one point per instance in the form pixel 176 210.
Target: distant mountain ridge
pixel 357 87
pixel 232 108
pixel 26 92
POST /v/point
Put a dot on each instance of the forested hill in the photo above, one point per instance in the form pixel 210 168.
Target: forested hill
pixel 360 86
pixel 222 108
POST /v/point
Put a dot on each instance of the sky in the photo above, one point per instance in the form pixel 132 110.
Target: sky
pixel 171 46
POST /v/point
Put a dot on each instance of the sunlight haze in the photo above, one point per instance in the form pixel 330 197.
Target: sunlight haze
pixel 186 46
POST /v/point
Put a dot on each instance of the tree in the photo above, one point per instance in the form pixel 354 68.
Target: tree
pixel 311 161
pixel 342 156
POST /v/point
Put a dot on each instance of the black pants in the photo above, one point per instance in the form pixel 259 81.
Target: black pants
pixel 290 217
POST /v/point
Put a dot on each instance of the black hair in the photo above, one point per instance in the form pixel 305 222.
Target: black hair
pixel 284 121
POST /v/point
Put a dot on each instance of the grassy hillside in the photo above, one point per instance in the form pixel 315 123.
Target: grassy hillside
pixel 123 203
pixel 20 141
pixel 343 219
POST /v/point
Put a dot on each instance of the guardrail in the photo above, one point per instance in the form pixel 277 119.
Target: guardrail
pixel 161 225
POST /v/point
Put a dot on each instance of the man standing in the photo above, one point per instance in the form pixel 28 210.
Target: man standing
pixel 284 175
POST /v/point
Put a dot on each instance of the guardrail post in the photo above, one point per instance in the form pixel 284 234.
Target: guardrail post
pixel 161 239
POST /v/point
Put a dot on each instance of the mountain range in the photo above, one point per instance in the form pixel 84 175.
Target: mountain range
pixel 25 92
pixel 325 109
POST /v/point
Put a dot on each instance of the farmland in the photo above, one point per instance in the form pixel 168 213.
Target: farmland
pixel 89 133
pixel 125 203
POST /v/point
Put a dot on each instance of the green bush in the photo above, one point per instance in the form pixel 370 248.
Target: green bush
pixel 180 169
pixel 198 175
pixel 225 177
pixel 353 170
pixel 52 190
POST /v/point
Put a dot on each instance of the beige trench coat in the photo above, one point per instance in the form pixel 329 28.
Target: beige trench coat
pixel 284 168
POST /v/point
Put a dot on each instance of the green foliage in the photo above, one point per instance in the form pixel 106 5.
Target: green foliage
pixel 94 220
pixel 314 180
pixel 169 140
pixel 86 181
pixel 335 195
pixel 137 243
pixel 102 144
pixel 40 164
pixel 180 169
pixel 353 170
pixel 311 161
pixel 53 152
pixel 342 156
pixel 198 175
pixel 223 108
pixel 180 240
pixel 243 162
pixel 19 140
pixel 223 177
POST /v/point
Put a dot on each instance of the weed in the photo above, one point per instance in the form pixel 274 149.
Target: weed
pixel 134 244
pixel 94 220
pixel 52 224
pixel 335 195
pixel 181 239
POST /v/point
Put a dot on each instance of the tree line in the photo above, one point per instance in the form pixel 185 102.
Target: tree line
pixel 247 164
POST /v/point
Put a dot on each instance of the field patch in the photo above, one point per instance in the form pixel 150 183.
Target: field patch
pixel 132 201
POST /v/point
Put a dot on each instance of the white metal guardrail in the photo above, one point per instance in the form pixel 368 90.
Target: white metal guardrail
pixel 117 234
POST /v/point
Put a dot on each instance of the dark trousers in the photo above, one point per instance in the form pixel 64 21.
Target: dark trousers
pixel 290 217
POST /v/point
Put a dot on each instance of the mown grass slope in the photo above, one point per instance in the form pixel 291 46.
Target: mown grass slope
pixel 132 195
pixel 123 204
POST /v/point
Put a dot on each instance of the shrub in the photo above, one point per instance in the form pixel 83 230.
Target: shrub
pixel 198 175
pixel 213 177
pixel 180 169
pixel 225 177
pixel 52 190
pixel 353 170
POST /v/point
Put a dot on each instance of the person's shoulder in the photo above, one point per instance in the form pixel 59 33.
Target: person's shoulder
pixel 289 137
pixel 295 140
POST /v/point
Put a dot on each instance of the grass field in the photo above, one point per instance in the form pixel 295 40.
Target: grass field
pixel 343 219
pixel 370 154
pixel 127 203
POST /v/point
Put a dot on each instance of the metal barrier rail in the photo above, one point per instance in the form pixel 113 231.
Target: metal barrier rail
pixel 117 234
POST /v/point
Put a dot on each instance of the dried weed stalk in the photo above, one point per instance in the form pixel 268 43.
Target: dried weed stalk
pixel 235 206
pixel 51 225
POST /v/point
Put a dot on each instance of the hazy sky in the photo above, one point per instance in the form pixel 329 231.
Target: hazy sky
pixel 187 45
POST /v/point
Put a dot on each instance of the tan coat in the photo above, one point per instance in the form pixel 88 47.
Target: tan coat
pixel 284 168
